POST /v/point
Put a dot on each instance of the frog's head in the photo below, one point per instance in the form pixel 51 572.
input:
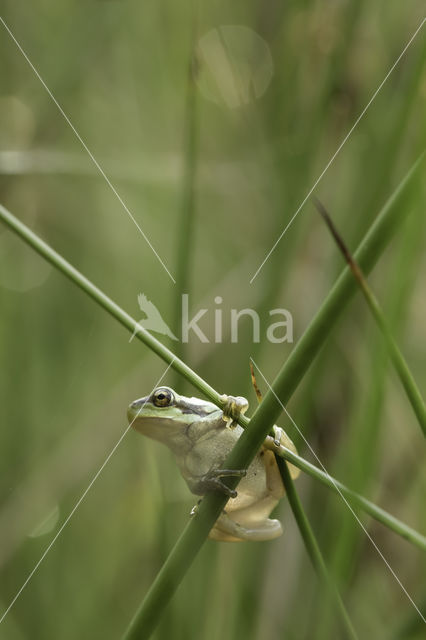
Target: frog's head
pixel 164 415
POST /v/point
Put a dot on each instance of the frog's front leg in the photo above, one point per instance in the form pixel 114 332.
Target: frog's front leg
pixel 212 481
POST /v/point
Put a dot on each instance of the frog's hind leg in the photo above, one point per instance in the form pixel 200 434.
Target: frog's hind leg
pixel 228 530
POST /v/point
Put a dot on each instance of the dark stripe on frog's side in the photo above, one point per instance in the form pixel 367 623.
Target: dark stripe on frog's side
pixel 190 408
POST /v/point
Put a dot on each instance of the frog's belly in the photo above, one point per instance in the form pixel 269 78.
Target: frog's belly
pixel 258 491
pixel 252 489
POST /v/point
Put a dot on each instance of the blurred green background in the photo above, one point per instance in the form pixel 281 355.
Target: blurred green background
pixel 212 173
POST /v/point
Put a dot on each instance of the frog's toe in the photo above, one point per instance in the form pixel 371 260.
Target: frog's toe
pixel 282 439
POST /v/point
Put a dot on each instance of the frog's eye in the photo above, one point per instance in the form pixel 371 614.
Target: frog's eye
pixel 162 397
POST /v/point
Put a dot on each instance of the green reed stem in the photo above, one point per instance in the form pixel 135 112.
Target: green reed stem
pixel 312 546
pixel 354 499
pixel 396 356
pixel 186 226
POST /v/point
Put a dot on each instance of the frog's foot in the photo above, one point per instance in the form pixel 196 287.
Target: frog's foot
pixel 228 530
pixel 278 434
pixel 212 481
pixel 282 439
pixel 233 407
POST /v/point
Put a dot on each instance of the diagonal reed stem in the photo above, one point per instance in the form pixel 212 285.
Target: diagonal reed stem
pixel 312 546
pixel 187 215
pixel 401 367
pixel 308 536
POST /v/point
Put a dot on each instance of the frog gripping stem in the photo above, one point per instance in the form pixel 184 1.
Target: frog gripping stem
pixel 212 481
pixel 233 407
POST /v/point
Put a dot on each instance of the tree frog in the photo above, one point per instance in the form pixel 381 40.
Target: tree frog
pixel 201 435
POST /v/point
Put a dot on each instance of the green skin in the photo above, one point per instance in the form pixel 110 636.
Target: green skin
pixel 201 436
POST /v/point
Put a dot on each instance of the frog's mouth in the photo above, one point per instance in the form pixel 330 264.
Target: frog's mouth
pixel 164 430
pixel 136 408
pixel 143 409
pixel 155 422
